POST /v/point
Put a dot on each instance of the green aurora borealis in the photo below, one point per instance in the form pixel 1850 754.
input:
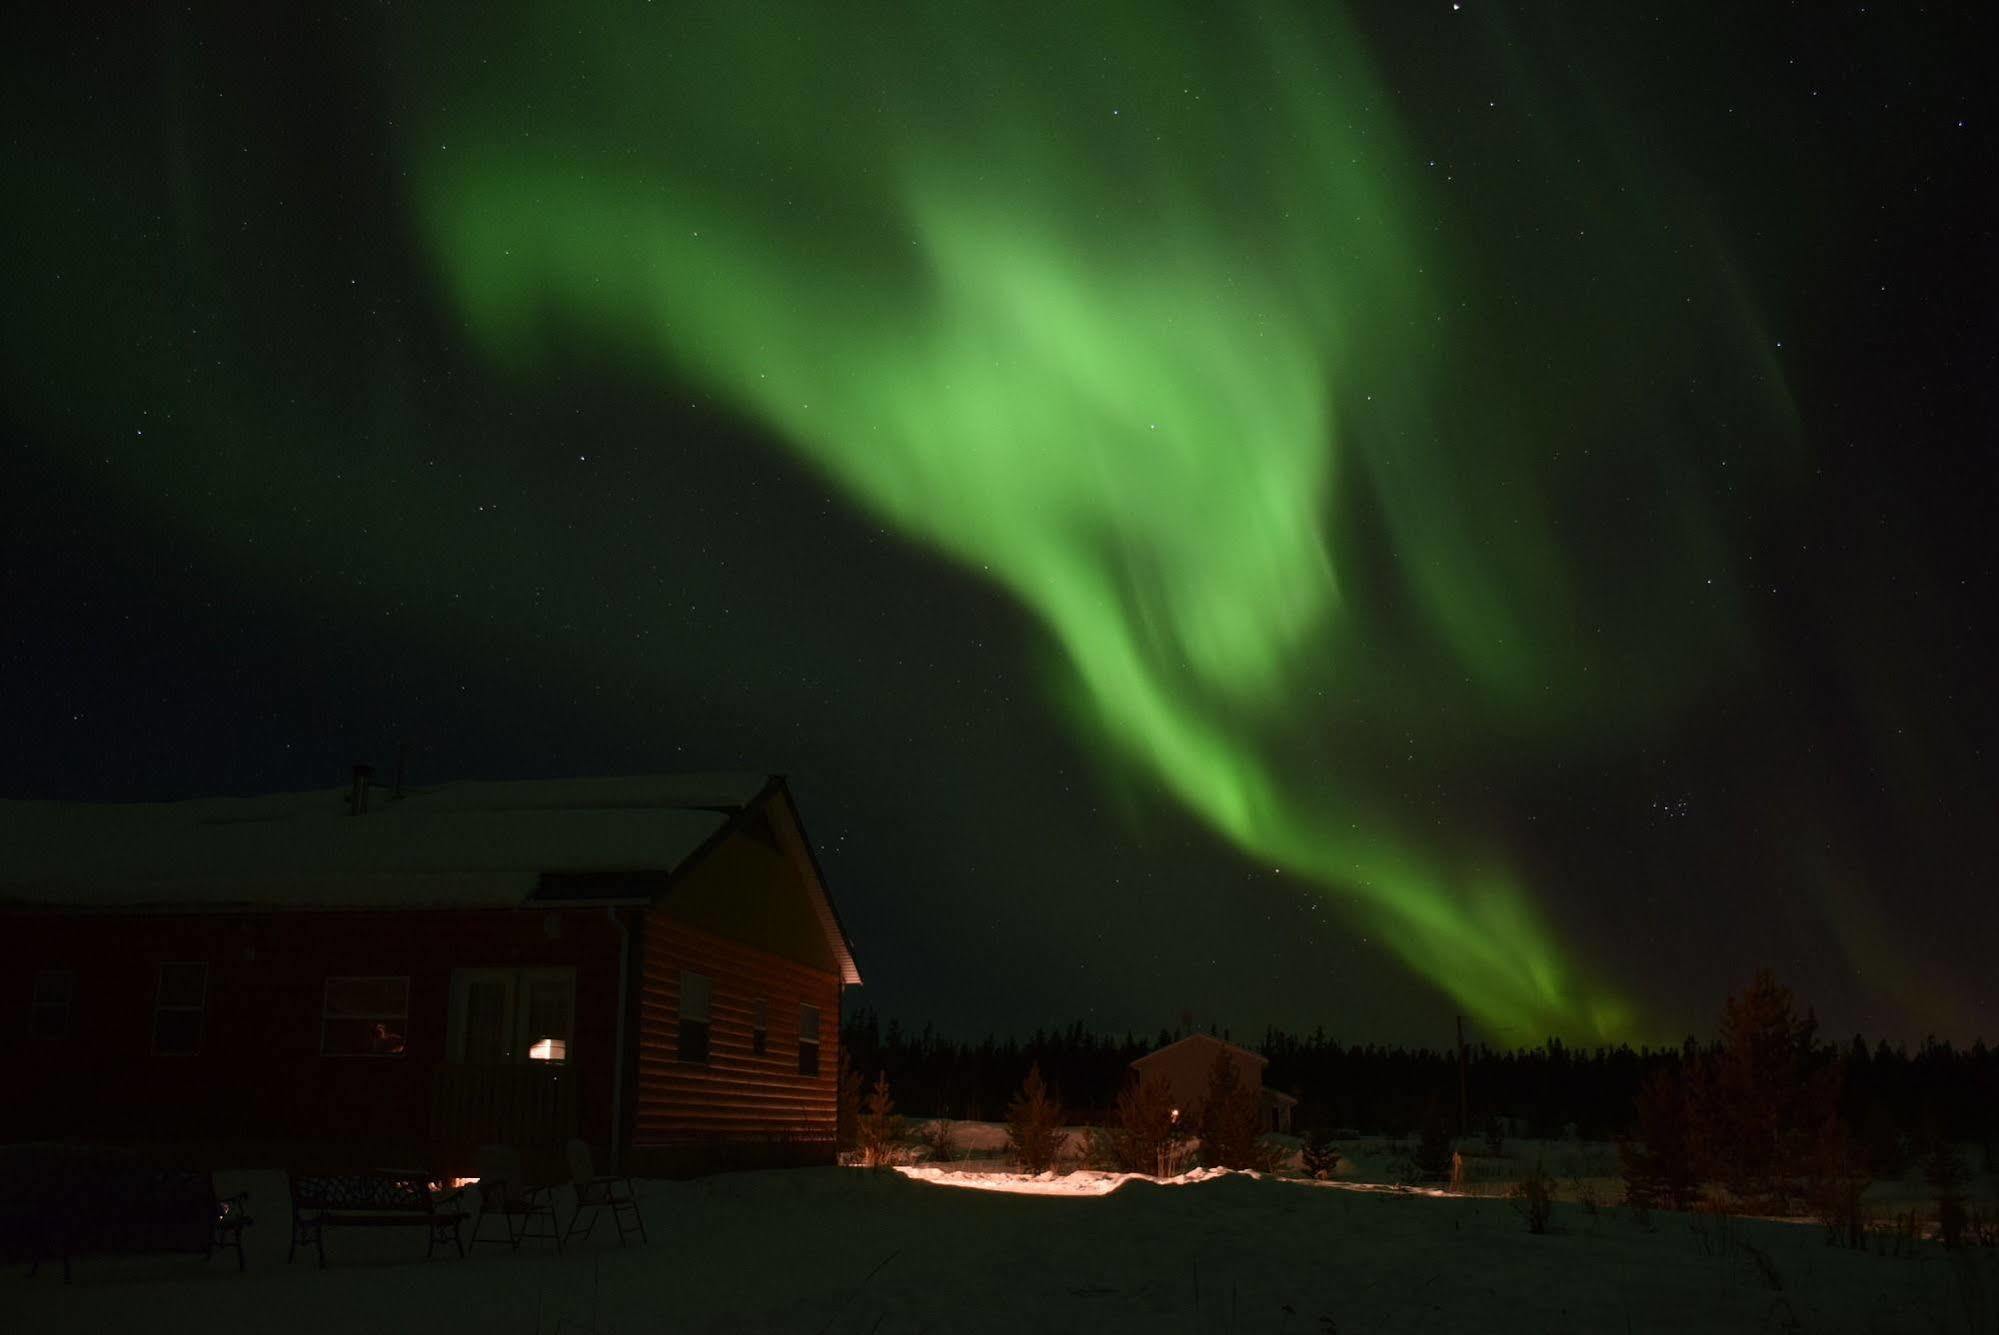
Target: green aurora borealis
pixel 1117 344
pixel 1385 420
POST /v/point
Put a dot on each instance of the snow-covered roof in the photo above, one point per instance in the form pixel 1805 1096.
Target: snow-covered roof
pixel 1205 1039
pixel 466 844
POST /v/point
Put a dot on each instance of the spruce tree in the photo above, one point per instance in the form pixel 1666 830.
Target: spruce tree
pixel 1034 1124
pixel 1144 1132
pixel 847 1105
pixel 1658 1164
pixel 880 1130
pixel 1231 1119
pixel 1320 1158
pixel 1758 1103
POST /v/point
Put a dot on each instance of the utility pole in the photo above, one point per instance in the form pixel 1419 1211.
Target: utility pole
pixel 1464 1102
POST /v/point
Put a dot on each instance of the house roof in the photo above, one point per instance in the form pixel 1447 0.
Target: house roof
pixel 467 844
pixel 1206 1040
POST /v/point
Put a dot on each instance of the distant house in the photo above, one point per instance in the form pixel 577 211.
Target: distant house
pixel 652 964
pixel 1186 1066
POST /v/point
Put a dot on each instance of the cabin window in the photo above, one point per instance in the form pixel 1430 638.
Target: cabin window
pixel 808 1040
pixel 55 990
pixel 547 1003
pixel 364 1017
pixel 502 1016
pixel 179 1008
pixel 694 1017
pixel 760 1027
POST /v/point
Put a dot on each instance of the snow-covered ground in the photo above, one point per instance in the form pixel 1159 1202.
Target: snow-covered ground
pixel 852 1250
pixel 1581 1169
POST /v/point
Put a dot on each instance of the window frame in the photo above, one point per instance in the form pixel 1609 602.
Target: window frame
pixel 324 1004
pixel 38 1004
pixel 808 1039
pixel 701 1027
pixel 161 1008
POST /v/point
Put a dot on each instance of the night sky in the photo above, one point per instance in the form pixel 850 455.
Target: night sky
pixel 1319 517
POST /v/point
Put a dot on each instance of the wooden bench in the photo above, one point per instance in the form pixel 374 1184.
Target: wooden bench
pixel 375 1199
pixel 69 1202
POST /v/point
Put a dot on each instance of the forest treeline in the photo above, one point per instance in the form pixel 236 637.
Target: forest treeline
pixel 1894 1100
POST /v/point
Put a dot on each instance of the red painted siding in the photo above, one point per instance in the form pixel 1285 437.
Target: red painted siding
pixel 738 1095
pixel 259 1079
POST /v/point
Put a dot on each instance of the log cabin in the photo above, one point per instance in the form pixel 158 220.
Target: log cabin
pixel 362 978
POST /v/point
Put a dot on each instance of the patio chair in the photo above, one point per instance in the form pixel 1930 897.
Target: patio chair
pixel 503 1191
pixel 600 1192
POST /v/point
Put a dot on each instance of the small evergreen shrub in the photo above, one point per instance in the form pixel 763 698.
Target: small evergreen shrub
pixel 1034 1125
pixel 1433 1149
pixel 1144 1135
pixel 1533 1198
pixel 880 1136
pixel 848 1103
pixel 1231 1121
pixel 1321 1157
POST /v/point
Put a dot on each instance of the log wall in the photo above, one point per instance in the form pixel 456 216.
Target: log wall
pixel 737 1096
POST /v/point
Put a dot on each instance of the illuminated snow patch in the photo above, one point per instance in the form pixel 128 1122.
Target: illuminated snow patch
pixel 1084 1182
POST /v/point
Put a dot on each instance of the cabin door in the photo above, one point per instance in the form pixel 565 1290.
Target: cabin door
pixel 510 1080
pixel 482 1014
pixel 500 1016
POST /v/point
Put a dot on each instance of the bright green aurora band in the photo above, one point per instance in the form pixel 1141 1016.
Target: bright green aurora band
pixel 1129 314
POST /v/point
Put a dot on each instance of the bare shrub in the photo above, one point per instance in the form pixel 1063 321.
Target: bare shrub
pixel 1533 1198
pixel 1834 1185
pixel 1101 1151
pixel 1898 1235
pixel 1766 1265
pixel 1712 1228
pixel 1944 1171
pixel 938 1140
pixel 1590 1199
